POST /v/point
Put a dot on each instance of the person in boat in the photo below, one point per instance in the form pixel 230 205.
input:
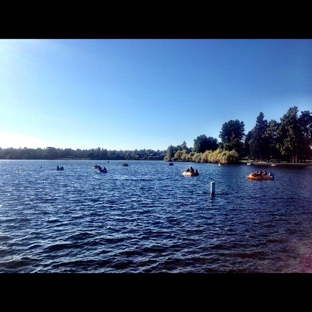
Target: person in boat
pixel 102 170
pixel 187 170
pixel 191 169
pixel 196 171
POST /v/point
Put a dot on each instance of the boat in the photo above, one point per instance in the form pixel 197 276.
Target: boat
pixel 190 174
pixel 100 169
pixel 260 176
pixel 273 165
pixel 125 165
pixel 59 168
pixel 249 163
pixel 171 164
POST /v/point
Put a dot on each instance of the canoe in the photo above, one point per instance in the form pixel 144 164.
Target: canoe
pixel 269 176
pixel 190 174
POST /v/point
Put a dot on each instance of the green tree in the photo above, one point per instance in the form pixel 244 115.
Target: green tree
pixel 247 143
pixel 271 136
pixel 51 153
pixel 184 147
pixel 259 142
pixel 289 134
pixel 305 139
pixel 203 143
pixel 232 134
pixel 170 153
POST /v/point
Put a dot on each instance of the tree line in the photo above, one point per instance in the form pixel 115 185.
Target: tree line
pixel 68 153
pixel 289 140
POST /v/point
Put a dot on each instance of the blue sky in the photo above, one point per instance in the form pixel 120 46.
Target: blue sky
pixel 126 94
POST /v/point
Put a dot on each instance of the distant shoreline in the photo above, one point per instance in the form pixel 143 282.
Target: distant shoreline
pixel 264 163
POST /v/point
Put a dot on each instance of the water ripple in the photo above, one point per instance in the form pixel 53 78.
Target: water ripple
pixel 148 218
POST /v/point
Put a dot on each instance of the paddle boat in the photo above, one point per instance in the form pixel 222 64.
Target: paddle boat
pixel 99 168
pixel 261 175
pixel 102 170
pixel 190 172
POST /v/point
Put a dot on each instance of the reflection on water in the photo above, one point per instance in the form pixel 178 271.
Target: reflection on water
pixel 148 218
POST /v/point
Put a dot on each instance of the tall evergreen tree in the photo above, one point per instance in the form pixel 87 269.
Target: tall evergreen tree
pixel 259 143
pixel 305 140
pixel 288 135
pixel 271 135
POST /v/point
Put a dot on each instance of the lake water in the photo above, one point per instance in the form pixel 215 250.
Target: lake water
pixel 148 218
